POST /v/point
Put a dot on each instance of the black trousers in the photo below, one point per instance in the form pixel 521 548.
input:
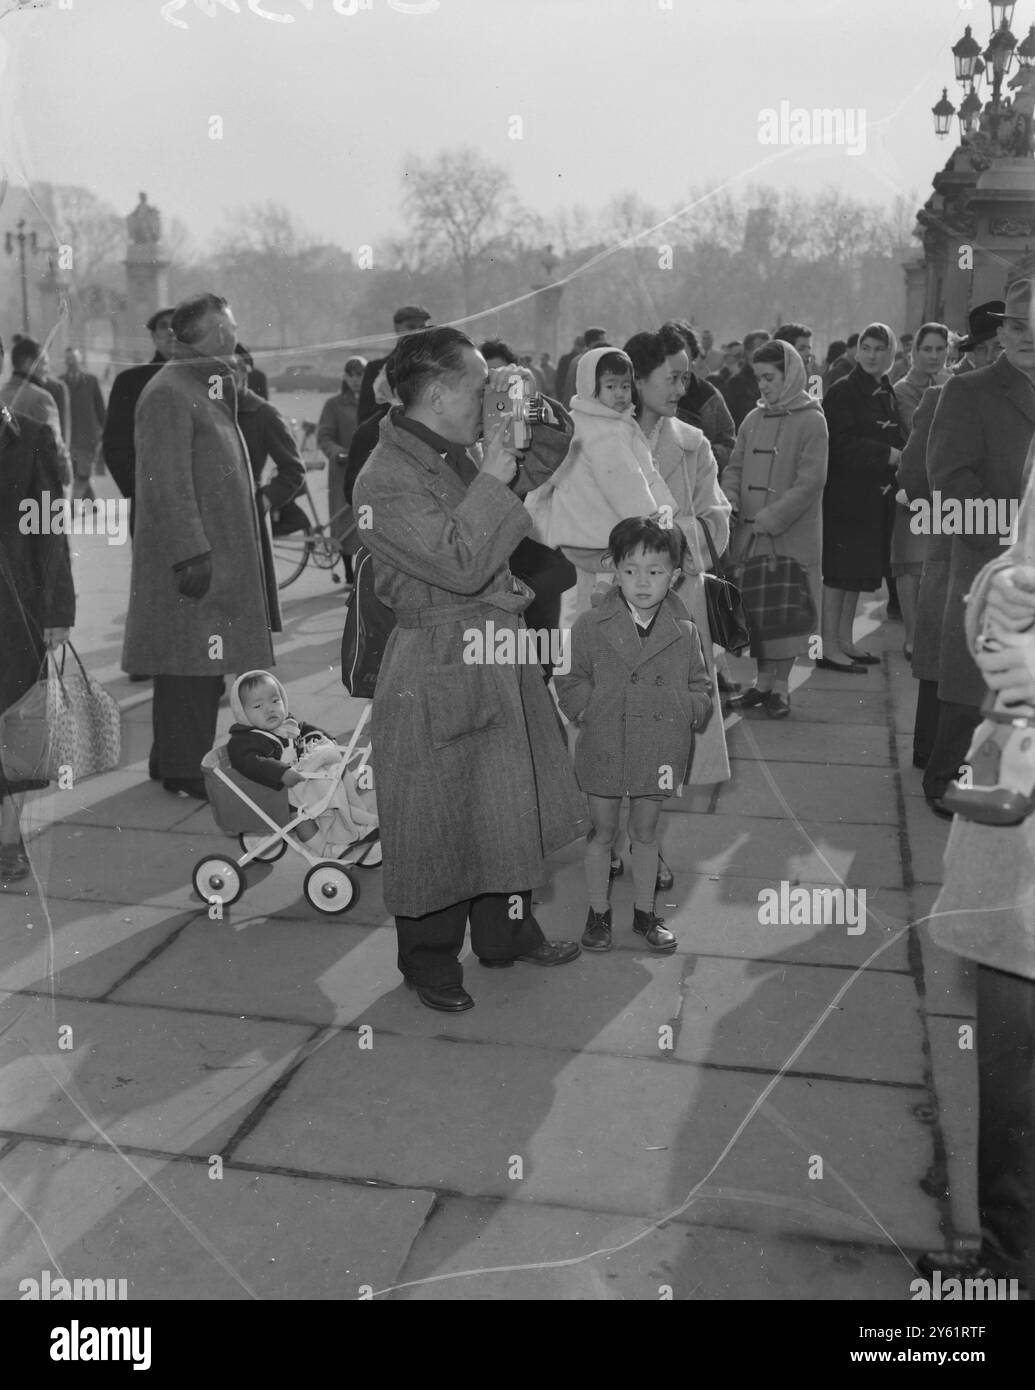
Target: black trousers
pixel 925 724
pixel 184 711
pixel 956 725
pixel 429 945
pixel 1006 1127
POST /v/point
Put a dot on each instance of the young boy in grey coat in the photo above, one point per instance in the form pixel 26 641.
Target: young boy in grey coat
pixel 637 689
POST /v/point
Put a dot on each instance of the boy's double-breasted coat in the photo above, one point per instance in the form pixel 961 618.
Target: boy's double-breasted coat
pixel 194 495
pixel 473 780
pixel 637 701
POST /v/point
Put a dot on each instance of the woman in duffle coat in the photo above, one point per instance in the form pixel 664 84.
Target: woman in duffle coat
pixel 774 481
pixel 684 458
pixel 482 790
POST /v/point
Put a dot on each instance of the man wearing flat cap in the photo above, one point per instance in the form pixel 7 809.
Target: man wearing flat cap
pixel 411 318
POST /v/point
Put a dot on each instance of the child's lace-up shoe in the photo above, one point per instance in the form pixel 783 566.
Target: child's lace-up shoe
pixel 597 935
pixel 653 930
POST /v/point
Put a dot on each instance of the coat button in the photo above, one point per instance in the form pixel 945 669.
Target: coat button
pixel 634 678
pixel 659 680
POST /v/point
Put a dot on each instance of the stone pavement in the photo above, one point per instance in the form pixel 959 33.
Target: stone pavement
pixel 777 1112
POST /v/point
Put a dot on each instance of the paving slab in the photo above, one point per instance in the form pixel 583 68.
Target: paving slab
pixel 79 949
pixel 173 1232
pixel 619 1134
pixel 756 1014
pixel 788 740
pixel 174 1082
pixel 956 1083
pixel 926 835
pixel 814 706
pixel 684 1264
pixel 808 791
pixel 950 981
pixel 125 799
pixel 865 856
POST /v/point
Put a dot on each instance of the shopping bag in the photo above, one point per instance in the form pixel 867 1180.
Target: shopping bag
pixel 776 594
pixel 66 725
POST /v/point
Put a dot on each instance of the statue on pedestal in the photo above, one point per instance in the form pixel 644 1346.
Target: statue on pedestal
pixel 144 224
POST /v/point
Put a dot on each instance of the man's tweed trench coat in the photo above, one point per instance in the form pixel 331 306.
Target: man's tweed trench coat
pixel 982 428
pixel 194 494
pixel 473 780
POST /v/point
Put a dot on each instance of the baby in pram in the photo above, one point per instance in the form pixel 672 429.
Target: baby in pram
pixel 269 746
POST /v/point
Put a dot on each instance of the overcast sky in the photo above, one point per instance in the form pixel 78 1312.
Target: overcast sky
pixel 649 95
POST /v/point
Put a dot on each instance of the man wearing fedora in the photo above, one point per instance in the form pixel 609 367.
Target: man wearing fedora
pixel 981 346
pixel 411 318
pixel 979 440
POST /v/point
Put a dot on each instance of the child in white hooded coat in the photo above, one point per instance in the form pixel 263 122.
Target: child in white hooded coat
pixel 608 476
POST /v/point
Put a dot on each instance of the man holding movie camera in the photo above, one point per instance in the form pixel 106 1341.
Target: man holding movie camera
pixel 474 785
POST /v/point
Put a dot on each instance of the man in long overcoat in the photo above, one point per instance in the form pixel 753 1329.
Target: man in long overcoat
pixel 473 780
pixel 199 607
pixel 979 439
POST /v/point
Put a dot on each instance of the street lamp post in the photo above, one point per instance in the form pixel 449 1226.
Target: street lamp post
pixel 999 127
pixel 23 239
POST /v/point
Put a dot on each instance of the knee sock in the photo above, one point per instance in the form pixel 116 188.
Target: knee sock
pixel 783 687
pixel 645 873
pixel 598 865
pixel 764 680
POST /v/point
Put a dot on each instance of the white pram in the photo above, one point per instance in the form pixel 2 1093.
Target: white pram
pixel 265 823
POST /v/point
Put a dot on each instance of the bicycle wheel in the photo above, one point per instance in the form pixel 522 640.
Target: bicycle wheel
pixel 290 555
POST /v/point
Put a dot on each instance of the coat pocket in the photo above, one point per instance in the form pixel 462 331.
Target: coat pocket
pixel 461 701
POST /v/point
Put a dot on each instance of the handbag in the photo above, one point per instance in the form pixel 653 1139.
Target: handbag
pixel 727 620
pixel 776 593
pixel 368 626
pixel 64 723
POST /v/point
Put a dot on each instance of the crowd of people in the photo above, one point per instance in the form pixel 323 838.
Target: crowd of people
pixel 646 463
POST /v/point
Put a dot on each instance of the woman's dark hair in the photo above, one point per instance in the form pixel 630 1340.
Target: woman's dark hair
pixel 878 333
pixel 835 350
pixel 424 356
pixel 648 351
pixel 636 531
pixel 693 347
pixel 613 361
pixel 496 347
pixel 926 328
pixel 771 352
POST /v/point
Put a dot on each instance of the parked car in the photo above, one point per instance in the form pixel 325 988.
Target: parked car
pixel 305 378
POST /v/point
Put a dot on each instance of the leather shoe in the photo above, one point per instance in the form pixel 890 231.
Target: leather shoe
pixel 779 706
pixel 939 807
pixel 664 881
pixel 549 953
pixel 864 658
pixel 853 668
pixel 751 699
pixel 186 786
pixel 597 935
pixel 652 928
pixel 448 999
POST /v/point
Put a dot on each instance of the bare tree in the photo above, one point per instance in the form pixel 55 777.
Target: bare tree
pixel 80 220
pixel 462 209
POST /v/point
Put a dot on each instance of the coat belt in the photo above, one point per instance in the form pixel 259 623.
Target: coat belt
pixel 449 613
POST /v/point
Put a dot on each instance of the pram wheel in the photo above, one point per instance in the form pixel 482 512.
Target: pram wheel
pixel 329 888
pixel 217 879
pixel 269 856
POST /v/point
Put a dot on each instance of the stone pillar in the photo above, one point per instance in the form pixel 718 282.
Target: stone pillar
pixel 147 291
pixel 1004 204
pixel 915 273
